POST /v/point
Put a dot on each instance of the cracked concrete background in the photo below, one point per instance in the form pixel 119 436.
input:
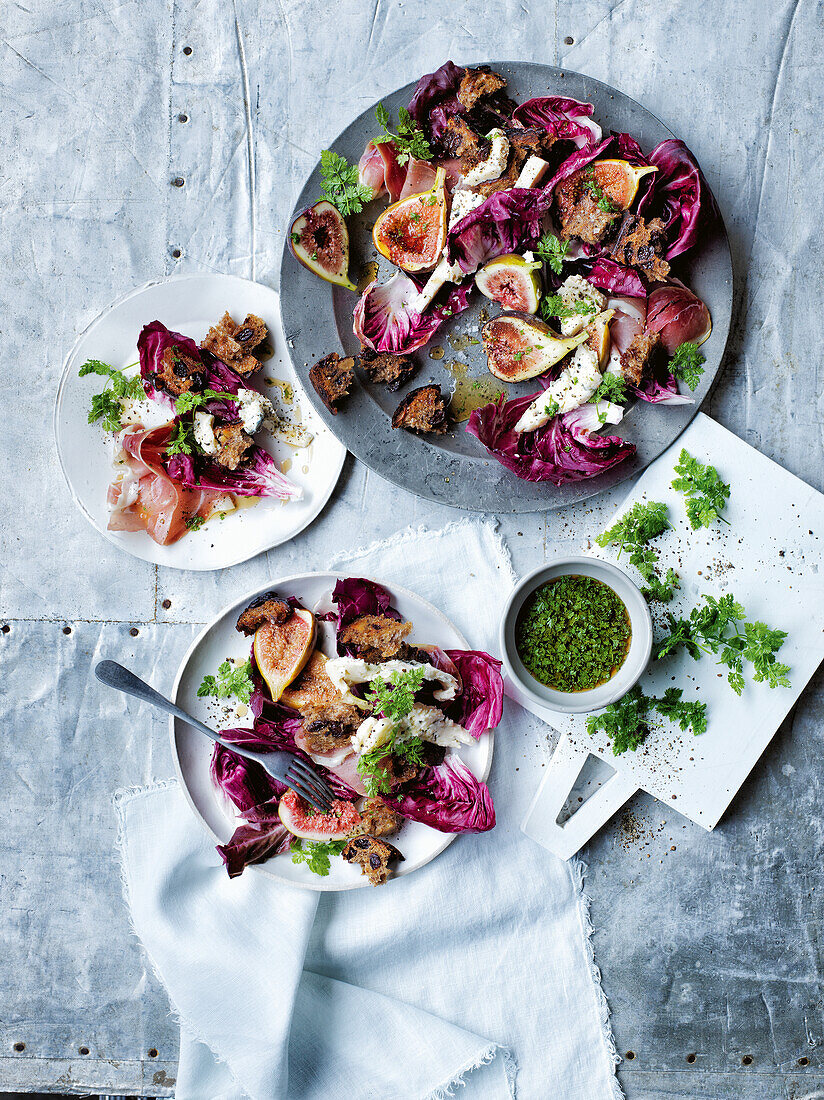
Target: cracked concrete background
pixel 710 945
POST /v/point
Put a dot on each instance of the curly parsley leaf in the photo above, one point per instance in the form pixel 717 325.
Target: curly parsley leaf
pixel 394 698
pixel 553 250
pixel 553 306
pixel 612 387
pixel 372 770
pixel 719 627
pixel 661 590
pixel 108 405
pixel 626 722
pixel 316 854
pixel 231 680
pixel 340 184
pixel 409 141
pixel 705 491
pixel 182 441
pixel 644 521
pixel 190 400
pixel 688 364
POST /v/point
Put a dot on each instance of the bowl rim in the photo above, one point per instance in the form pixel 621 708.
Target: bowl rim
pixel 582 699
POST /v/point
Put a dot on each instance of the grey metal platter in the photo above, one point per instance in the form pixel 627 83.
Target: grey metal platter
pixel 455 468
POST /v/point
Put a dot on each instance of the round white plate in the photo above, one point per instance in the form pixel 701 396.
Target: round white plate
pixel 192 751
pixel 190 304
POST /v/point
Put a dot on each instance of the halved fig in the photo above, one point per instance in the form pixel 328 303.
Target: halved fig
pixel 303 821
pixel 412 233
pixel 619 179
pixel 513 281
pixel 598 336
pixel 282 649
pixel 319 240
pixel 519 347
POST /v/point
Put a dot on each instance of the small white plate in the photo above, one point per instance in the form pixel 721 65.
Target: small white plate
pixel 192 751
pixel 190 304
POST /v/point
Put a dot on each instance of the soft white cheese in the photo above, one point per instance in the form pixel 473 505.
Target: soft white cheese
pixel 346 671
pixel 252 407
pixel 463 203
pixel 428 723
pixel 572 388
pixel 205 433
pixel 495 164
pixel 531 172
pixel 574 292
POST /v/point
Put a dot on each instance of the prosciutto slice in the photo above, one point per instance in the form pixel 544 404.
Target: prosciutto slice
pixel 378 168
pixel 678 314
pixel 146 499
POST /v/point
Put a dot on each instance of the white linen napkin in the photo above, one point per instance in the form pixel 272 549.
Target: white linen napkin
pixel 477 969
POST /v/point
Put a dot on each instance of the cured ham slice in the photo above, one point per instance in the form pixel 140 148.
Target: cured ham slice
pixel 627 321
pixel 345 769
pixel 145 498
pixel 378 168
pixel 679 315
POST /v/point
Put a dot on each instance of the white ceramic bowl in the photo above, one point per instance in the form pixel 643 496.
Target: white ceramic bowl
pixel 640 648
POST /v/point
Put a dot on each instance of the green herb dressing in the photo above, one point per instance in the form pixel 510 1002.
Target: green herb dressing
pixel 573 633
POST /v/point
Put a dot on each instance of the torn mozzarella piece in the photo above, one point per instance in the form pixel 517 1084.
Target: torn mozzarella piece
pixel 204 433
pixel 252 407
pixel 572 388
pixel 279 421
pixel 575 292
pixel 428 723
pixel 531 172
pixel 346 671
pixel 495 164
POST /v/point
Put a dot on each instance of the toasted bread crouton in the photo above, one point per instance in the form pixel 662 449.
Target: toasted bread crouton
pixel 268 608
pixel 460 140
pixel 374 637
pixel 377 819
pixel 222 344
pixel 373 855
pixel 251 333
pixel 332 378
pixel 641 245
pixel 383 366
pixel 314 695
pixel 233 443
pixel 640 356
pixel 179 372
pixel 323 735
pixel 478 84
pixel 579 214
pixel 423 410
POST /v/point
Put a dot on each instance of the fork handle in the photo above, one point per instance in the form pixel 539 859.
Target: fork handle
pixel 115 676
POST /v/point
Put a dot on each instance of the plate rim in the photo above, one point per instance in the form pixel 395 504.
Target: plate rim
pixel 608 479
pixel 109 536
pixel 279 582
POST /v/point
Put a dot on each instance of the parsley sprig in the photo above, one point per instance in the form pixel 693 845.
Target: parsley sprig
pixel 642 523
pixel 393 699
pixel 410 141
pixel 340 184
pixel 108 405
pixel 553 305
pixel 719 626
pixel 705 491
pixel 231 680
pixel 687 364
pixel 626 723
pixel 315 854
pixel 552 250
pixel 182 441
pixel 599 196
pixel 612 387
pixel 190 400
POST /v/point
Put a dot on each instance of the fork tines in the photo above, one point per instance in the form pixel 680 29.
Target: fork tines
pixel 309 785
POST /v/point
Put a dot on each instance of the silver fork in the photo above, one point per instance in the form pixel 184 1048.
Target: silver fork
pixel 281 765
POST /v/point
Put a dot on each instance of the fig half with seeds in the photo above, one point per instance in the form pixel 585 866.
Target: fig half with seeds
pixel 513 281
pixel 319 240
pixel 519 347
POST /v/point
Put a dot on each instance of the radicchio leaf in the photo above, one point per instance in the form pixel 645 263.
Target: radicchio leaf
pixel 563 450
pixel 479 705
pixel 508 221
pixel 259 477
pixel 679 196
pixel 385 318
pixel 448 798
pixel 566 119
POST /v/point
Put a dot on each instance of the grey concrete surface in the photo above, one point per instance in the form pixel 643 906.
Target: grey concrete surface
pixel 710 945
